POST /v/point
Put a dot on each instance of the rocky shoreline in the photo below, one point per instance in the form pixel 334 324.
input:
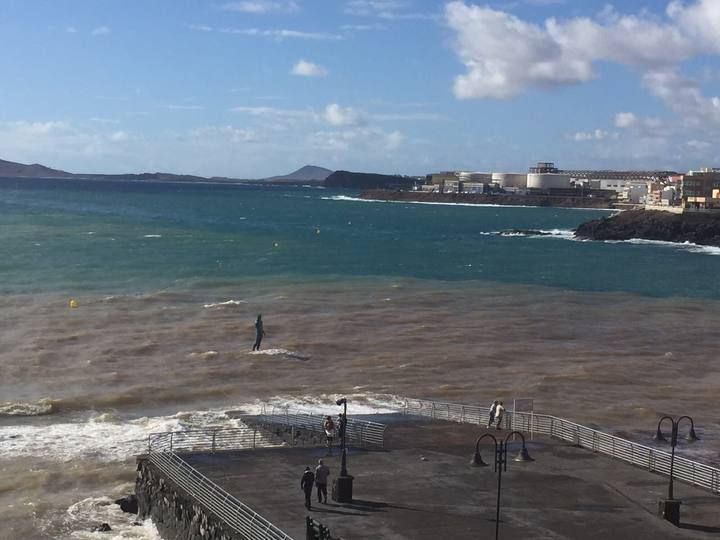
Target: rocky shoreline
pixel 481 198
pixel 696 228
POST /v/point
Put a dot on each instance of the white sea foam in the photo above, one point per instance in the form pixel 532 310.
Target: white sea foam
pixel 225 304
pixel 101 437
pixel 91 512
pixel 282 352
pixel 565 234
pixel 19 408
pixel 204 355
pixel 487 205
pixel 152 235
pixel 359 403
pixel 685 246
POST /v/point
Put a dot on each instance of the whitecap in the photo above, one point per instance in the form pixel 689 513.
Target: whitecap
pixel 90 512
pixel 152 235
pixel 685 246
pixel 19 408
pixel 282 352
pixel 204 355
pixel 101 437
pixel 224 304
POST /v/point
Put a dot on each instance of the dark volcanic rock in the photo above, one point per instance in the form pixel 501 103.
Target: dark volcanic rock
pixel 347 179
pixel 128 504
pixel 102 528
pixel 697 228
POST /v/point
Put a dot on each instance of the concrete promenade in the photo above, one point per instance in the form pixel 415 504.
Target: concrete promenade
pixel 422 487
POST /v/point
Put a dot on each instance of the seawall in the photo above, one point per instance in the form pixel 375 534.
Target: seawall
pixel 482 198
pixel 175 514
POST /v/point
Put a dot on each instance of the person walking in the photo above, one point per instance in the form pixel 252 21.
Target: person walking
pixel 499 415
pixel 259 333
pixel 322 472
pixel 329 427
pixel 306 484
pixel 493 411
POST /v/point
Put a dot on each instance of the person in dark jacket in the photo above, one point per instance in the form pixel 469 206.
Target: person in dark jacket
pixel 306 484
pixel 259 333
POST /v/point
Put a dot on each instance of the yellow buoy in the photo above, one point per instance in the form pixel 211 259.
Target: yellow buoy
pixel 72 304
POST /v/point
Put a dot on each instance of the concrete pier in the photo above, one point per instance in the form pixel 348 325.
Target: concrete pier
pixel 422 486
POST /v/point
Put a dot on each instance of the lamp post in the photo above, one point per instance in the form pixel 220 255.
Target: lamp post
pixel 669 508
pixel 343 485
pixel 500 464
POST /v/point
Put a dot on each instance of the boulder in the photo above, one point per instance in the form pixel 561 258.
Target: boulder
pixel 101 528
pixel 128 504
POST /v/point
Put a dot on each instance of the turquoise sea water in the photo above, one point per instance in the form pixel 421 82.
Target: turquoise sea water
pixel 74 236
pixel 369 300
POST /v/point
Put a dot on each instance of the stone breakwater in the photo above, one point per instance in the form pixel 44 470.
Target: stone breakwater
pixel 482 198
pixel 175 514
pixel 696 228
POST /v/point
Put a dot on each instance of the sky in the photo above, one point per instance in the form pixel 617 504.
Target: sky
pixel 255 88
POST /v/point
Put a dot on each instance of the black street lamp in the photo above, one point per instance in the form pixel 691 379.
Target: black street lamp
pixel 500 464
pixel 670 507
pixel 343 486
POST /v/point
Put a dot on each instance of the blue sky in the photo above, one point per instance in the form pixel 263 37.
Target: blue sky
pixel 255 88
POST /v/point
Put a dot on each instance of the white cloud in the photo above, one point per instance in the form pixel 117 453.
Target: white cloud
pixel 335 115
pixel 185 107
pixel 625 120
pixel 100 30
pixel 213 134
pixel 262 6
pixel 279 34
pixel 71 30
pixel 357 140
pixel 362 27
pixel 385 9
pixel 684 97
pixel 596 135
pixel 118 136
pixel 505 55
pixel 308 69
pixel 393 140
pixel 273 112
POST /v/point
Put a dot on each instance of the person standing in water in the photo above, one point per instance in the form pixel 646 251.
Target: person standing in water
pixel 259 333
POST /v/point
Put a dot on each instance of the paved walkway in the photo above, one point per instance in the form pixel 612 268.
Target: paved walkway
pixel 422 487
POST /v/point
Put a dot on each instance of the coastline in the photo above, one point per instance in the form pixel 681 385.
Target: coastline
pixel 485 199
pixel 702 229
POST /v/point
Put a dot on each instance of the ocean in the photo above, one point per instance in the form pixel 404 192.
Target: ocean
pixel 369 300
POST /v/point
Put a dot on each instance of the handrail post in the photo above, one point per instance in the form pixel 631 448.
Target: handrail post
pixel 171 441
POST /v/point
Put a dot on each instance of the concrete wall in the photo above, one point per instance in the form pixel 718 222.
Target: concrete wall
pixel 175 515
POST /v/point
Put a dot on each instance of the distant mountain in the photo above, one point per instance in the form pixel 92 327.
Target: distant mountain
pixel 308 173
pixel 19 170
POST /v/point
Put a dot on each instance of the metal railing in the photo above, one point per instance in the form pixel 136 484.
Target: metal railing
pixel 233 513
pixel 211 440
pixel 359 432
pixel 652 459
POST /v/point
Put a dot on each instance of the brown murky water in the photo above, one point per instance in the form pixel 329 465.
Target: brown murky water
pixel 115 368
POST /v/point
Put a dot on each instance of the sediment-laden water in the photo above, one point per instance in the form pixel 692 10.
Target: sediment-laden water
pixel 370 300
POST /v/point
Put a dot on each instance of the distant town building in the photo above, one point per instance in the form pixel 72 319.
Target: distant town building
pixel 699 189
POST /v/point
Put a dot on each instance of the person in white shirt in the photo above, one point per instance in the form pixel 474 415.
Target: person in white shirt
pixel 499 411
pixel 493 411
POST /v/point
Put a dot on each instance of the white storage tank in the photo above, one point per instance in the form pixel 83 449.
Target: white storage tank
pixel 548 181
pixel 510 180
pixel 479 177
